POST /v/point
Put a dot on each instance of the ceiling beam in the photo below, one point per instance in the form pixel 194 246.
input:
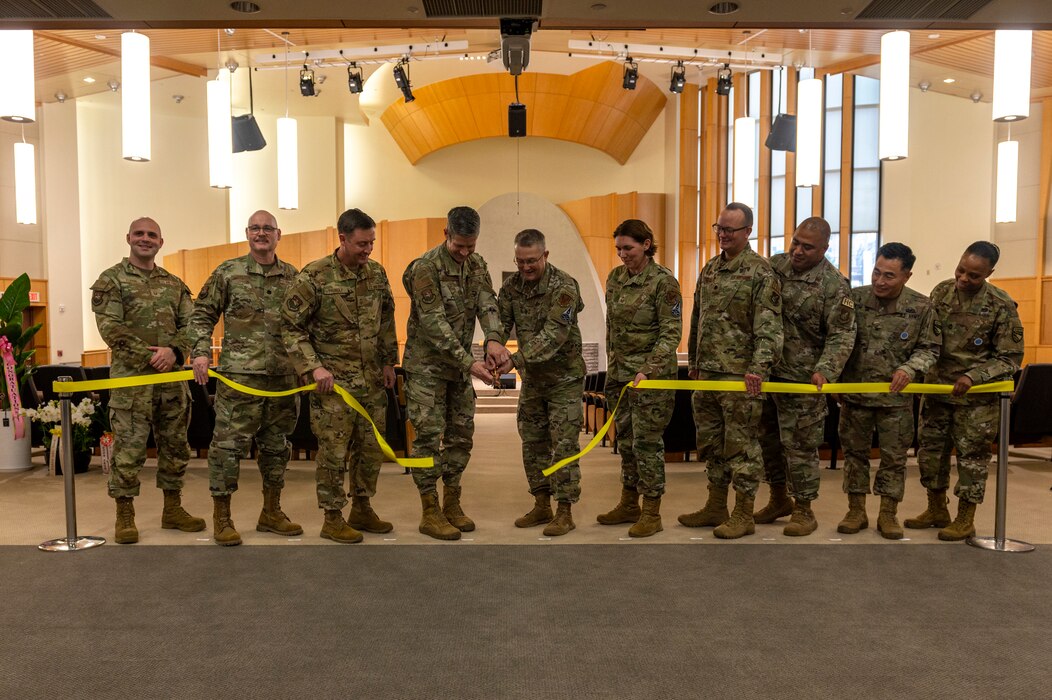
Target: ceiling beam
pixel 163 62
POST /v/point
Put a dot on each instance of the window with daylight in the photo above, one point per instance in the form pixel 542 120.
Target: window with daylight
pixel 780 105
pixel 865 181
pixel 833 142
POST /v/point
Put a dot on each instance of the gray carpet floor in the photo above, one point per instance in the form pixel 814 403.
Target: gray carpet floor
pixel 591 621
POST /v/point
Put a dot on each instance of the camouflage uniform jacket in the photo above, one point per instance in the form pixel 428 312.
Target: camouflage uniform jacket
pixel 982 337
pixel 898 335
pixel 341 320
pixel 736 325
pixel 544 315
pixel 818 321
pixel 446 298
pixel 137 308
pixel 644 323
pixel 250 301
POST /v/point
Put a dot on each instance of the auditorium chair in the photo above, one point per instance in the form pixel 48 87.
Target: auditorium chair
pixel 1031 419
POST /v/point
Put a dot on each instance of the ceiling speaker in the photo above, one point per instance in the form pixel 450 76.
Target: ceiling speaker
pixel 783 133
pixel 247 136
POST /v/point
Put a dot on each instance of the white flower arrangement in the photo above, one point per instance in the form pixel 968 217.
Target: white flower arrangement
pixel 50 417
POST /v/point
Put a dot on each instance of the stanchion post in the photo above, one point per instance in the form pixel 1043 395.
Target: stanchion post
pixel 69 543
pixel 999 542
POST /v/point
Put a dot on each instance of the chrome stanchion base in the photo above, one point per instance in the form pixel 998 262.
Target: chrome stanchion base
pixel 1006 545
pixel 71 545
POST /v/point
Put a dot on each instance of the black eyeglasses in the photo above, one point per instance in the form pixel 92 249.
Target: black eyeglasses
pixel 254 228
pixel 717 229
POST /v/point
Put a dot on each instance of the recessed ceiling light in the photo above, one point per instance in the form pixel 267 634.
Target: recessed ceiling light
pixel 934 36
pixel 949 80
pixel 724 8
pixel 88 79
pixel 100 37
pixel 246 7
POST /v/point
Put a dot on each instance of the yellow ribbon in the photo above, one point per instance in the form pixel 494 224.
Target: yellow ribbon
pixel 185 375
pixel 773 388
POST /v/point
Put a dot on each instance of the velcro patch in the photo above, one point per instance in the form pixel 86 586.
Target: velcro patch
pixel 97 298
pixel 1017 334
pixel 295 303
pixel 564 299
pixel 567 315
pixel 937 327
pixel 677 309
pixel 846 301
pixel 428 296
pixel 671 297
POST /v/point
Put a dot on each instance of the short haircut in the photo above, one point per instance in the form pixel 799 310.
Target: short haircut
pixel 745 209
pixel 463 221
pixel 354 219
pixel 131 226
pixel 818 225
pixel 984 249
pixel 639 232
pixel 529 238
pixel 900 252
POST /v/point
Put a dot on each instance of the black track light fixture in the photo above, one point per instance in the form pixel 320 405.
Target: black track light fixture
pixel 401 79
pixel 679 78
pixel 354 78
pixel 307 82
pixel 723 80
pixel 630 74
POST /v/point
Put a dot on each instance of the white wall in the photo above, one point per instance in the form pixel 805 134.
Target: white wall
pixel 940 198
pixel 21 245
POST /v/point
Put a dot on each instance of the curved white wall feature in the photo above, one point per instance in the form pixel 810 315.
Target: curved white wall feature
pixel 507 214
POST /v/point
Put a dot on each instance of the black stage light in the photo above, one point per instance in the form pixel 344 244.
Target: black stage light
pixel 354 78
pixel 723 80
pixel 679 78
pixel 630 75
pixel 516 119
pixel 307 82
pixel 402 81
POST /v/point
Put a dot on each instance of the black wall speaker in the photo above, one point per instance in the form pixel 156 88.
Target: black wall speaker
pixel 516 119
pixel 783 134
pixel 247 136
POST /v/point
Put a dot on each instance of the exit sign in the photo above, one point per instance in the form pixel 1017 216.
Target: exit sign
pixel 34 297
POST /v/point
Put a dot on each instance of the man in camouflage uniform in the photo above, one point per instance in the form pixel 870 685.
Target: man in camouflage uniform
pixel 248 293
pixel 735 333
pixel 818 320
pixel 542 303
pixel 142 312
pixel 339 328
pixel 898 341
pixel 982 342
pixel 449 287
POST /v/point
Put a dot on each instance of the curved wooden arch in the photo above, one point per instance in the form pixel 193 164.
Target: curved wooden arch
pixel 589 107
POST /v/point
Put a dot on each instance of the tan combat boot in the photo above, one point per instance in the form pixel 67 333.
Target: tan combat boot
pixel 272 518
pixel 936 515
pixel 714 513
pixel 803 522
pixel 174 517
pixel 855 519
pixel 649 522
pixel 541 513
pixel 740 522
pixel 363 517
pixel 452 510
pixel 223 531
pixel 337 529
pixel 562 523
pixel 124 531
pixel 887 524
pixel 779 506
pixel 626 510
pixel 433 522
pixel 963 526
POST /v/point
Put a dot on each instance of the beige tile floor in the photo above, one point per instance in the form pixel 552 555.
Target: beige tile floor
pixel 31 503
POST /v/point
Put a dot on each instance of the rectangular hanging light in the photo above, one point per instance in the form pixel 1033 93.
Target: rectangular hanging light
pixel 135 96
pixel 288 164
pixel 745 160
pixel 25 183
pixel 220 132
pixel 894 95
pixel 1012 53
pixel 18 84
pixel 1007 181
pixel 809 132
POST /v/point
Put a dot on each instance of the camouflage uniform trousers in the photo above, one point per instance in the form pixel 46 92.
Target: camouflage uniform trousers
pixel 239 418
pixel 970 428
pixel 133 412
pixel 640 421
pixel 791 429
pixel 728 426
pixel 346 443
pixel 549 419
pixel 442 412
pixel 894 426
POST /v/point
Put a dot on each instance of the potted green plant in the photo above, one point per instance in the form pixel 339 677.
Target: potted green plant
pixel 15 366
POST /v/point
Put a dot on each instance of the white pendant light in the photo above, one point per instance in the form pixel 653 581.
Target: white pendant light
pixel 25 183
pixel 288 164
pixel 135 96
pixel 809 132
pixel 894 95
pixel 745 160
pixel 1012 53
pixel 18 84
pixel 220 132
pixel 1007 181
